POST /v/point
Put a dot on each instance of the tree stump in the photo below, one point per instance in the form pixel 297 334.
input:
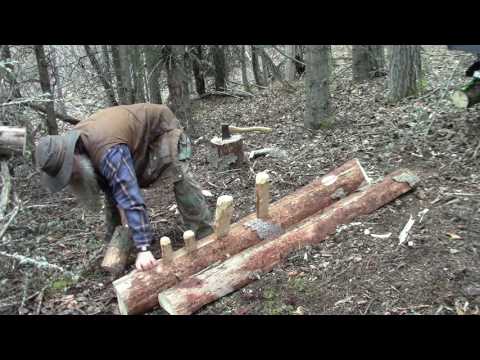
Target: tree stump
pixel 227 153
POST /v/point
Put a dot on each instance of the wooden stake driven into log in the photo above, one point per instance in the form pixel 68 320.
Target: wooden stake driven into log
pixel 12 140
pixel 262 195
pixel 116 256
pixel 167 251
pixel 223 215
pixel 138 291
pixel 198 290
pixel 189 238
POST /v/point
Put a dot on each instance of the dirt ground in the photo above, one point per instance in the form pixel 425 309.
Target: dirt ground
pixel 352 272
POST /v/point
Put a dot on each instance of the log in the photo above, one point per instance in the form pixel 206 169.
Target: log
pixel 223 216
pixel 198 290
pixel 118 250
pixel 12 140
pixel 262 195
pixel 137 292
pixel 227 153
pixel 468 96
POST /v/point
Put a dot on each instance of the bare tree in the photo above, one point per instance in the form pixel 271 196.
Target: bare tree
pixel 107 86
pixel 42 63
pixel 259 79
pixel 153 63
pixel 138 74
pixel 243 63
pixel 198 71
pixel 218 52
pixel 317 94
pixel 117 66
pixel 368 61
pixel 405 71
pixel 177 79
pixel 290 69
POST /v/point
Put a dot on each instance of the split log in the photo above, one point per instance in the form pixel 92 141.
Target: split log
pixel 167 251
pixel 12 140
pixel 198 290
pixel 116 256
pixel 223 215
pixel 6 188
pixel 138 291
pixel 189 239
pixel 227 152
pixel 467 96
pixel 262 195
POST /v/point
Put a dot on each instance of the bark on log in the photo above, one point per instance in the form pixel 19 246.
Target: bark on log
pixel 198 290
pixel 467 96
pixel 116 256
pixel 138 291
pixel 12 140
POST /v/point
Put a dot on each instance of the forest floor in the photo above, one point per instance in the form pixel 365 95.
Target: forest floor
pixel 351 272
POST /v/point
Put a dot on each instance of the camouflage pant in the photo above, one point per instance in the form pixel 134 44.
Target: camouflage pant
pixel 191 203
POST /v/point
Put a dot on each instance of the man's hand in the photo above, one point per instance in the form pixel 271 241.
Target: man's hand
pixel 145 261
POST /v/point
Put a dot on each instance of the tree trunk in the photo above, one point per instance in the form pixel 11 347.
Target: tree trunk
pixel 109 92
pixel 219 62
pixel 405 72
pixel 153 63
pixel 198 72
pixel 7 56
pixel 264 61
pixel 136 59
pixel 46 89
pixel 137 292
pixel 241 269
pixel 117 66
pixel 291 65
pixel 367 61
pixel 125 61
pixel 243 62
pixel 57 89
pixel 317 97
pixel 259 80
pixel 177 79
pixel 106 65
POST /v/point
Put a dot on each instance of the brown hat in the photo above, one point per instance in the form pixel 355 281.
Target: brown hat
pixel 54 155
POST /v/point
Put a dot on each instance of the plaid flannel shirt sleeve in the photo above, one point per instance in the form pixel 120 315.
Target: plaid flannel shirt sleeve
pixel 118 169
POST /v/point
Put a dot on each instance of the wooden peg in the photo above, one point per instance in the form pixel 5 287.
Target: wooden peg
pixel 189 238
pixel 167 252
pixel 262 192
pixel 223 215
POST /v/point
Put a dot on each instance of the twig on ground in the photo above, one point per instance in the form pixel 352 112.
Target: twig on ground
pixel 4 229
pixel 42 264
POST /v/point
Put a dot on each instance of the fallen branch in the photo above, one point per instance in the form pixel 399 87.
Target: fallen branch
pixel 4 229
pixel 41 264
pixel 6 189
pixel 198 290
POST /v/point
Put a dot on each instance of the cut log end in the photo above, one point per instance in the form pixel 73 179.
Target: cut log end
pixel 460 99
pixel 167 305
